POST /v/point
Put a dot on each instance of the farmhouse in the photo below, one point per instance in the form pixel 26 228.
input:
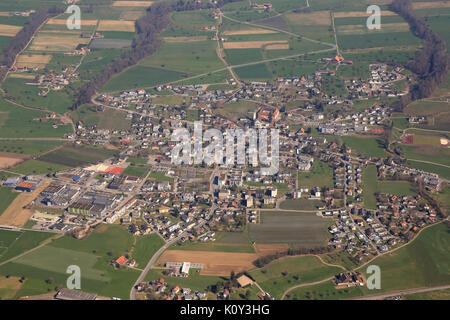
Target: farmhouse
pixel 244 281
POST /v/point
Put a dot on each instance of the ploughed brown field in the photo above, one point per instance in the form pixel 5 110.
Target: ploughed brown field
pixel 15 214
pixel 10 159
pixel 214 263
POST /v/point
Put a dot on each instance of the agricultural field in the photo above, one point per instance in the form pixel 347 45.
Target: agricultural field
pixel 72 155
pixel 60 42
pixel 45 268
pixel 8 30
pixel 27 95
pixel 15 123
pixel 114 25
pixel 7 195
pixel 301 204
pixel 301 229
pixel 191 58
pixel 284 273
pixel 215 263
pixel 189 24
pixel 38 167
pixel 141 77
pixel 13 243
pixel 426 108
pixel 33 60
pixel 428 153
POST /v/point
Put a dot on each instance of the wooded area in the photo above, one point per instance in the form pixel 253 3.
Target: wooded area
pixel 430 63
pixel 20 41
pixel 145 43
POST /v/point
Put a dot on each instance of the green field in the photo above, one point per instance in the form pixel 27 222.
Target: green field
pixel 367 146
pixel 38 167
pixel 254 72
pixel 373 186
pixel 136 171
pixel 225 242
pixel 146 246
pixel 423 263
pixel 432 295
pixel 13 243
pixel 191 58
pixel 321 175
pixel 443 172
pixel 73 155
pixel 434 154
pixel 28 147
pixel 141 77
pixel 45 268
pixel 6 196
pixel 189 23
pixel 376 40
pixel 17 122
pixel 281 274
pixel 27 95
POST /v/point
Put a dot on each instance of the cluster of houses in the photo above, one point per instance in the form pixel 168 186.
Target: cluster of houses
pixel 161 290
pixel 380 83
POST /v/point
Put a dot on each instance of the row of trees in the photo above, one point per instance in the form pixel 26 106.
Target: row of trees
pixel 144 44
pixel 20 41
pixel 430 63
pixel 262 261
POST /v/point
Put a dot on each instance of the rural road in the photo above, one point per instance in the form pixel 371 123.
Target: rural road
pixel 401 293
pixel 151 263
pixel 45 242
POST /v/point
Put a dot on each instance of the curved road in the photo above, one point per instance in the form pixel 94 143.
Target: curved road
pixel 150 265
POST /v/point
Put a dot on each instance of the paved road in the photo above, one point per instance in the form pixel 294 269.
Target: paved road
pixel 150 265
pixel 402 293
